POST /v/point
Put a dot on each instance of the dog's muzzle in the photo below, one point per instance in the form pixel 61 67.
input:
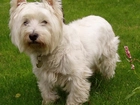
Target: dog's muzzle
pixel 33 37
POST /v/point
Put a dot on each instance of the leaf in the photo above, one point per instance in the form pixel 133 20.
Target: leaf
pixel 17 95
pixel 135 91
pixel 130 95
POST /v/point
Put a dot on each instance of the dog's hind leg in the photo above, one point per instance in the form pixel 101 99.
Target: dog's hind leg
pixel 108 66
pixel 109 59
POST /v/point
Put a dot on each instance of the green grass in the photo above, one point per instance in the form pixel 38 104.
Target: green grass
pixel 16 75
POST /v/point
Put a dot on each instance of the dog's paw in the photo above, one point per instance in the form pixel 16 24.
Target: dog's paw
pixel 47 102
pixel 51 100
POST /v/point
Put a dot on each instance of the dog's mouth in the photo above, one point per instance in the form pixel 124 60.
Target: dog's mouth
pixel 33 41
pixel 35 44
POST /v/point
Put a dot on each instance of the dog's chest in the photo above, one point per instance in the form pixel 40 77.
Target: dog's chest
pixel 56 63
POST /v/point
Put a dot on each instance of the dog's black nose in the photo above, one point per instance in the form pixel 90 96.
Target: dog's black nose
pixel 33 36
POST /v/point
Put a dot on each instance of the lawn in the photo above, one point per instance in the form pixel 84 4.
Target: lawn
pixel 18 84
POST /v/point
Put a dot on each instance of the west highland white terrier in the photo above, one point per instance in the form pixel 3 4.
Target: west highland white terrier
pixel 63 55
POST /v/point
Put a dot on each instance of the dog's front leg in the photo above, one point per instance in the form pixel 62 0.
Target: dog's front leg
pixel 79 91
pixel 47 92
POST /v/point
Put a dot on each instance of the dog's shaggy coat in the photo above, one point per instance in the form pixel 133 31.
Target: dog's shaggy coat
pixel 63 55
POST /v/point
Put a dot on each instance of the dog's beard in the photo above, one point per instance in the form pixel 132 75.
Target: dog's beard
pixel 40 45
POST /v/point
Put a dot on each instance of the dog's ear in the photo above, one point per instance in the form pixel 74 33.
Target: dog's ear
pixel 53 3
pixel 50 2
pixel 20 1
pixel 56 5
pixel 15 3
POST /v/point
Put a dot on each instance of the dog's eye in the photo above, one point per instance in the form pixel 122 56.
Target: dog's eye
pixel 44 22
pixel 25 22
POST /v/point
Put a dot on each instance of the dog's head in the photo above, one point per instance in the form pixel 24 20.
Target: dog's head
pixel 36 27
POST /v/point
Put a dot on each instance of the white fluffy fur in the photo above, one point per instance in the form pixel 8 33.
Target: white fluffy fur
pixel 70 53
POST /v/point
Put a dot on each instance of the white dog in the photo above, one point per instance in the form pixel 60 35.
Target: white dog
pixel 63 55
